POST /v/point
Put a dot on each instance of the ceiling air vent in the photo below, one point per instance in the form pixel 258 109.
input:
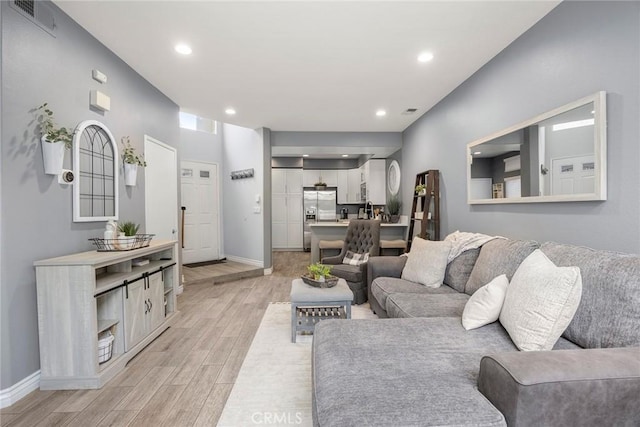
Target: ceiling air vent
pixel 409 111
pixel 27 6
pixel 37 12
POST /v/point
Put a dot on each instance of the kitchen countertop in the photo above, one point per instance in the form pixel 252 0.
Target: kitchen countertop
pixel 343 223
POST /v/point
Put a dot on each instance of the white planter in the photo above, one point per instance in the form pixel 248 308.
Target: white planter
pixel 52 156
pixel 130 174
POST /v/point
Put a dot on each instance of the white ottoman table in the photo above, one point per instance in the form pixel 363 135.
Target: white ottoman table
pixel 309 305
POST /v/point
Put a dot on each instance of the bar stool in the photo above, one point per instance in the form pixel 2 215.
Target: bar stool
pixel 329 244
pixel 399 245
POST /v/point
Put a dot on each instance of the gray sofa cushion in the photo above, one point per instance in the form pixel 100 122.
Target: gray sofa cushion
pixel 393 373
pixel 383 286
pixel 609 311
pixel 499 256
pixel 426 305
pixel 459 270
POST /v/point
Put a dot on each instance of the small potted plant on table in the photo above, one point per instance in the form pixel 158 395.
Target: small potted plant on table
pixel 129 230
pixel 320 276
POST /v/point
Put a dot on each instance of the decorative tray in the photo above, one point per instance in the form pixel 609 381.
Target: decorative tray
pixel 329 281
pixel 122 243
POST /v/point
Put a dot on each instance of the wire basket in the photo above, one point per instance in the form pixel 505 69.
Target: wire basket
pixel 122 243
pixel 105 347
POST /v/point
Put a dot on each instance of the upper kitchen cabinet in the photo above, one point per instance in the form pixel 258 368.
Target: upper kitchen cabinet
pixel 311 176
pixel 373 176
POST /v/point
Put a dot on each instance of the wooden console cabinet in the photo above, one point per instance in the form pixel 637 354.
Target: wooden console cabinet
pixel 81 296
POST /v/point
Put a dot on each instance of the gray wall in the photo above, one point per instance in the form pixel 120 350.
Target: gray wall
pixel 576 50
pixel 244 235
pixel 36 210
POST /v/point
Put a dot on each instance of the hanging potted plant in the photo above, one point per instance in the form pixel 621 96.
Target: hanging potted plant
pixel 131 161
pixel 55 140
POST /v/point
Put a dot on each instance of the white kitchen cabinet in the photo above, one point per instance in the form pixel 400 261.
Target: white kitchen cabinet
pixel 353 191
pixel 343 187
pixel 84 295
pixel 328 176
pixel 374 174
pixel 286 208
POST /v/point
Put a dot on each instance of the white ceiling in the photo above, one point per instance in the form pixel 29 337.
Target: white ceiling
pixel 307 66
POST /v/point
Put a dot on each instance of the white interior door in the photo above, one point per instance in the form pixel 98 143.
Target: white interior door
pixel 161 189
pixel 573 175
pixel 200 202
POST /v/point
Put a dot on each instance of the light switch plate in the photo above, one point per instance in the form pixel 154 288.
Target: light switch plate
pixel 100 101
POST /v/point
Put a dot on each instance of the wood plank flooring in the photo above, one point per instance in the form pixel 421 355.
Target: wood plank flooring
pixel 184 377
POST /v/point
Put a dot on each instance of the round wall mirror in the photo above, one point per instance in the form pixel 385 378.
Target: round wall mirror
pixel 393 177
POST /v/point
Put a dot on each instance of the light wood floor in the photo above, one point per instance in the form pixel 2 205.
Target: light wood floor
pixel 184 377
pixel 227 271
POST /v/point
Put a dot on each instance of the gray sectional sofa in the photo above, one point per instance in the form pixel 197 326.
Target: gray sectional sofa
pixel 417 366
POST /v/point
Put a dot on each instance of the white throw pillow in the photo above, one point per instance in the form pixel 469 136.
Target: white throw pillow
pixel 352 258
pixel 427 262
pixel 541 302
pixel 485 304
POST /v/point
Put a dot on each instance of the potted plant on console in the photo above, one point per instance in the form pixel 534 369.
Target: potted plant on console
pixel 131 161
pixel 393 207
pixel 55 140
pixel 129 229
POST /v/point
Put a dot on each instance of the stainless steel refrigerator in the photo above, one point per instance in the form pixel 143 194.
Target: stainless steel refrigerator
pixel 318 206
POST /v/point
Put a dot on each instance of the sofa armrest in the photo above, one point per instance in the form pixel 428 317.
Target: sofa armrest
pixel 332 260
pixel 590 387
pixel 385 266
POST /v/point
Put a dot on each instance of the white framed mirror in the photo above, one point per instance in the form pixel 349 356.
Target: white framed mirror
pixel 558 156
pixel 393 177
pixel 95 165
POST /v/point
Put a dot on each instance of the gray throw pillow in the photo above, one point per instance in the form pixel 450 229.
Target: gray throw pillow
pixel 427 262
pixel 499 256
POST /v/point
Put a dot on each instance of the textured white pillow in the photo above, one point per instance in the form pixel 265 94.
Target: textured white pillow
pixel 485 304
pixel 540 303
pixel 427 262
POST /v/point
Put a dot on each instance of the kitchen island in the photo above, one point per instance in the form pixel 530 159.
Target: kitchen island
pixel 337 230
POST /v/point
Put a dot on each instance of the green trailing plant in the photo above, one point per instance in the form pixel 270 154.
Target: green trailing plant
pixel 128 228
pixel 129 153
pixel 318 270
pixel 50 131
pixel 394 205
pixel 420 188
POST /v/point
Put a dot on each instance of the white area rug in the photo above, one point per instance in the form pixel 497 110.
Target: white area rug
pixel 274 383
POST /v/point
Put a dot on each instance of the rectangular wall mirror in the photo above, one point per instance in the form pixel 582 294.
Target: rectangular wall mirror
pixel 558 156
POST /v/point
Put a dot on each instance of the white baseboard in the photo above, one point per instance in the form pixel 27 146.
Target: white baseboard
pixel 268 271
pixel 245 260
pixel 11 395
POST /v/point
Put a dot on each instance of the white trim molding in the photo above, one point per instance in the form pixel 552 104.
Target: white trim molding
pixel 11 395
pixel 246 261
pixel 268 271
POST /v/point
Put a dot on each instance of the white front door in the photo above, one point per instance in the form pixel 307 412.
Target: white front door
pixel 161 189
pixel 200 207
pixel 573 175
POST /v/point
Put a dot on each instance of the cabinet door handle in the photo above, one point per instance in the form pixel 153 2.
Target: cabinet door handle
pixel 146 307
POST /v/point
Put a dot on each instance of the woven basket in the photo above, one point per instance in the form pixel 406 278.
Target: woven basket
pixel 329 282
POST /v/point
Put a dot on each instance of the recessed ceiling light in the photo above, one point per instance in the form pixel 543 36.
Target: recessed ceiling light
pixel 475 153
pixel 183 49
pixel 381 113
pixel 345 155
pixel 305 155
pixel 230 111
pixel 425 57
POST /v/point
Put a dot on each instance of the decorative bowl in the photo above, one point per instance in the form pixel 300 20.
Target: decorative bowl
pixel 329 281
